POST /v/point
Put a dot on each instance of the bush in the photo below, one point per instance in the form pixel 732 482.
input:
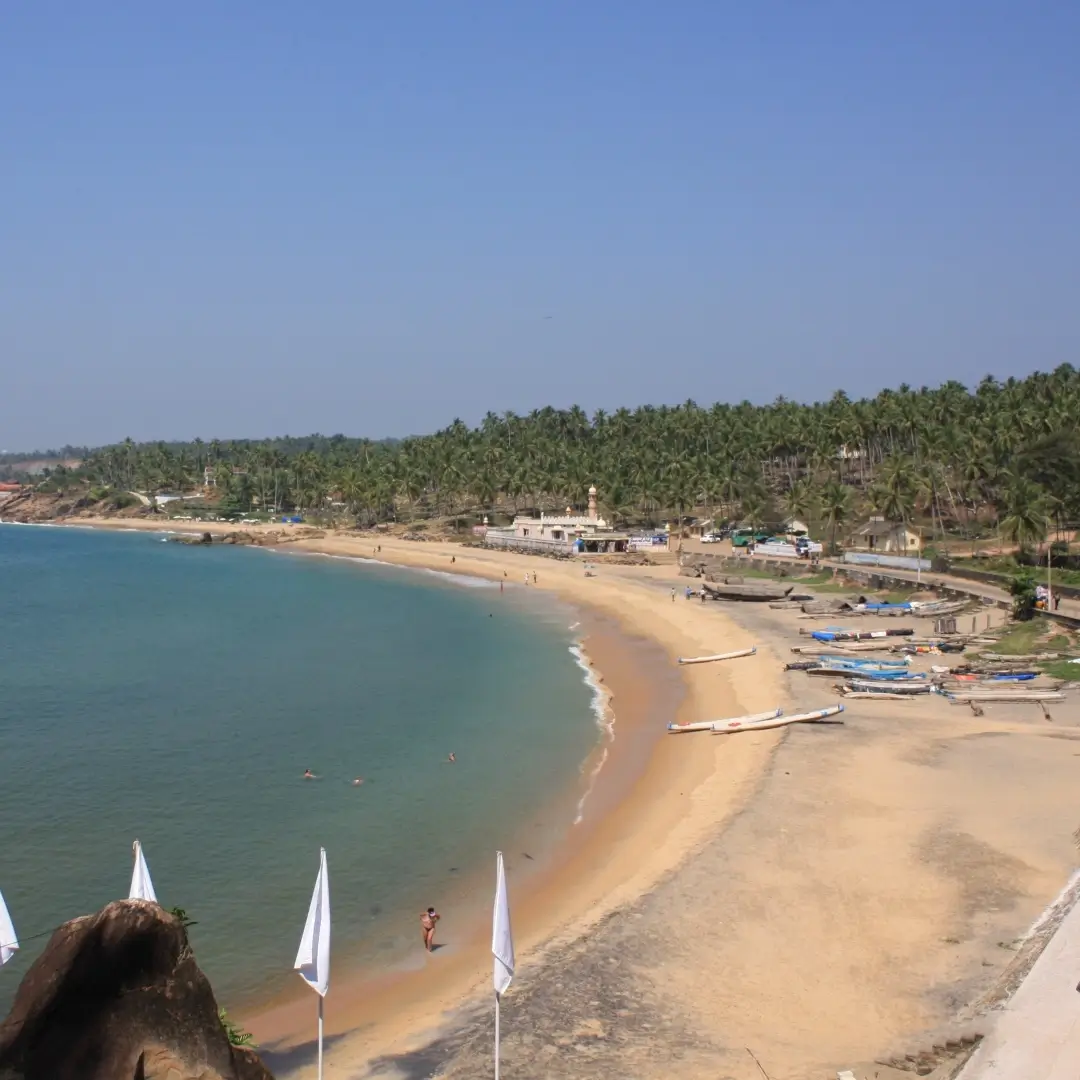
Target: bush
pixel 236 1035
pixel 1022 589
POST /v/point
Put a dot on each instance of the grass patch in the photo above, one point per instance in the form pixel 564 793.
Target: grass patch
pixel 1059 643
pixel 1062 669
pixel 1022 638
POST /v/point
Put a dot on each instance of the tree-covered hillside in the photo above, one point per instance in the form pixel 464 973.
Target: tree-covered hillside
pixel 1005 451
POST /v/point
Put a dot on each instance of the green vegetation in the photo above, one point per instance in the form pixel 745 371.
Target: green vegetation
pixel 1005 566
pixel 1022 588
pixel 1022 639
pixel 1062 669
pixel 1003 459
pixel 182 915
pixel 236 1035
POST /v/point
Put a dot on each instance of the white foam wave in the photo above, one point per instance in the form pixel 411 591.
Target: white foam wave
pixel 605 721
pixel 465 580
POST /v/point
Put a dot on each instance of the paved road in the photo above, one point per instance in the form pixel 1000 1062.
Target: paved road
pixel 1037 1034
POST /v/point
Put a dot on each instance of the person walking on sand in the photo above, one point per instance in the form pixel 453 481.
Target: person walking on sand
pixel 673 594
pixel 534 577
pixel 427 922
pixel 526 577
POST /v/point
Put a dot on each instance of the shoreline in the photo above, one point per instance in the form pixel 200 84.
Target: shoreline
pixel 827 896
pixel 667 808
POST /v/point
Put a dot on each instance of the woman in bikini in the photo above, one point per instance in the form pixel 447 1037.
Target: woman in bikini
pixel 428 921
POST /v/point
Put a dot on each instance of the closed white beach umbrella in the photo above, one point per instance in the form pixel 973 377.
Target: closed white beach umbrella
pixel 8 941
pixel 313 956
pixel 502 946
pixel 142 888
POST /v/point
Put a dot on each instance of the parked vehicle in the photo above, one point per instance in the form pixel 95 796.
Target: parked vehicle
pixel 742 537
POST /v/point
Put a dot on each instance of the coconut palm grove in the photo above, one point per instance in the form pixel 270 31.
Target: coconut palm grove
pixel 1004 456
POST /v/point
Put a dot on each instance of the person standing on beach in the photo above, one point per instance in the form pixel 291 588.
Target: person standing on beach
pixel 673 594
pixel 427 923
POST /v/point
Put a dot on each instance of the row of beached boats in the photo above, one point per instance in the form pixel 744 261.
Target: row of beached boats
pixel 864 677
pixel 762 721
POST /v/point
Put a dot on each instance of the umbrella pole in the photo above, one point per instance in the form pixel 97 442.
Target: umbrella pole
pixel 496 1035
pixel 320 1034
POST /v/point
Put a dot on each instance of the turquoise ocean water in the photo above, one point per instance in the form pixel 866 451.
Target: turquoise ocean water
pixel 177 694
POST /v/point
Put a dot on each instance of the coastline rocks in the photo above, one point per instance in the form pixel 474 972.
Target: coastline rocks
pixel 118 995
pixel 193 539
pixel 34 507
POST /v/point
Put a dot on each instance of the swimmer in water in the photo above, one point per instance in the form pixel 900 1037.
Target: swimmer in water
pixel 358 781
pixel 309 775
pixel 451 758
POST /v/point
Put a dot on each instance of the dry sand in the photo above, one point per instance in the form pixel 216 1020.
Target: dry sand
pixel 823 896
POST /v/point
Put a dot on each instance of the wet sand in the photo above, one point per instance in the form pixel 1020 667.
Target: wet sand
pixel 823 896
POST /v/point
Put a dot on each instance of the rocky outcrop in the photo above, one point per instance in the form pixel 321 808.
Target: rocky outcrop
pixel 38 506
pixel 118 995
pixel 255 539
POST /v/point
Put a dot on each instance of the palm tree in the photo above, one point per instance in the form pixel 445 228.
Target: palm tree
pixel 1025 516
pixel 836 507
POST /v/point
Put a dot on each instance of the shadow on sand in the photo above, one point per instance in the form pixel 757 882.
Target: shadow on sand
pixel 282 1061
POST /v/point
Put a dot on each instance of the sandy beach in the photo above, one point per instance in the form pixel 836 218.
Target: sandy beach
pixel 816 898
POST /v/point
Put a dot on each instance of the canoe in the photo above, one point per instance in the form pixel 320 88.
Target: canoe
pixel 867 695
pixel 836 634
pixel 1004 696
pixel 717 656
pixel 944 607
pixel 782 721
pixel 868 663
pixel 709 725
pixel 868 673
pixel 747 591
pixel 867 686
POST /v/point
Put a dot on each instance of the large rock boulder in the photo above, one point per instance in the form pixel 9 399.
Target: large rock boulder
pixel 118 996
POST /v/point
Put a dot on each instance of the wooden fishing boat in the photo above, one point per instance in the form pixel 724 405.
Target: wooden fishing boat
pixel 836 634
pixel 742 721
pixel 963 697
pixel 815 717
pixel 748 591
pixel 936 608
pixel 874 689
pixel 717 656
pixel 876 675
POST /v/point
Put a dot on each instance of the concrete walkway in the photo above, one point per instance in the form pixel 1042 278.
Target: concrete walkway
pixel 1037 1035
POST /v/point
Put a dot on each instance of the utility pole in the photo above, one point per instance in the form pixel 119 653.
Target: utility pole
pixel 1049 590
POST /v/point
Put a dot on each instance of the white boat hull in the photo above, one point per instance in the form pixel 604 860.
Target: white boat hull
pixel 718 656
pixel 710 725
pixel 780 721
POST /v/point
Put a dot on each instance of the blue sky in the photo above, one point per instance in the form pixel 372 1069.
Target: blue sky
pixel 232 220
